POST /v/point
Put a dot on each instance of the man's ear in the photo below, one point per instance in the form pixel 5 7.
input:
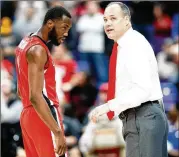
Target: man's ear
pixel 50 24
pixel 127 20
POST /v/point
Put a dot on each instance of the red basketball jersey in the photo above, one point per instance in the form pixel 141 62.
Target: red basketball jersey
pixel 49 90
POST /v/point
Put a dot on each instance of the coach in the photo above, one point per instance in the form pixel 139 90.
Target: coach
pixel 134 87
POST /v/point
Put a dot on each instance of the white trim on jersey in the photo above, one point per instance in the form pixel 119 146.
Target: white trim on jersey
pixel 45 93
pixel 53 138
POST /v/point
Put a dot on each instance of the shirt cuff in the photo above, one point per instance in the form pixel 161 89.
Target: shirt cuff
pixel 114 106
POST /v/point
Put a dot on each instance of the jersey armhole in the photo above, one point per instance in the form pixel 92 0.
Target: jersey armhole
pixel 47 62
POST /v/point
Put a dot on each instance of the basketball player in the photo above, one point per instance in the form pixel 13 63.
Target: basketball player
pixel 40 119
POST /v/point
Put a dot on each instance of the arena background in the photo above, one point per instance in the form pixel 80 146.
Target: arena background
pixel 157 21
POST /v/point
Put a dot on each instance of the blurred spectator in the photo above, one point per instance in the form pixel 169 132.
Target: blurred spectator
pixel 8 39
pixel 69 5
pixel 142 17
pixel 175 25
pixel 96 135
pixel 174 50
pixel 103 136
pixel 66 71
pixel 163 22
pixel 170 95
pixel 102 96
pixel 170 99
pixel 8 8
pixel 54 3
pixel 168 70
pixel 39 8
pixel 83 96
pixel 11 109
pixel 80 9
pixel 28 17
pixel 72 128
pixel 71 41
pixel 91 41
pixel 162 25
pixel 7 66
pixel 101 99
pixel 173 135
pixel 20 152
pixel 8 72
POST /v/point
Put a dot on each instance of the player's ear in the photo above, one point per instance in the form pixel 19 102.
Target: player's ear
pixel 50 24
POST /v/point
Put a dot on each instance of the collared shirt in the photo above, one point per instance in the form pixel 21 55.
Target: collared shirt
pixel 137 79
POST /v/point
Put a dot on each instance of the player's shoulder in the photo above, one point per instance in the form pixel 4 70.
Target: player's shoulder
pixel 37 54
pixel 27 41
pixel 36 51
pixel 37 48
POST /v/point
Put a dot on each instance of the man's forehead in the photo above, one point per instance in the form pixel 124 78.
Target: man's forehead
pixel 112 10
pixel 65 20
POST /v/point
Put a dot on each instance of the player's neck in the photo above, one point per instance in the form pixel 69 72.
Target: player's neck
pixel 42 33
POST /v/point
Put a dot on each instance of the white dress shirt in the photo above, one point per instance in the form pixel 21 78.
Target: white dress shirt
pixel 137 79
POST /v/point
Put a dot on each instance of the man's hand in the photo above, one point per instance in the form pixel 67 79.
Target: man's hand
pixel 60 147
pixel 98 112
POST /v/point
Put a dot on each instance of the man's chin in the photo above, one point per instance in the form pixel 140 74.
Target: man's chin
pixel 110 36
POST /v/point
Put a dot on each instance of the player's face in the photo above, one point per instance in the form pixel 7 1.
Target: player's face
pixel 114 22
pixel 60 30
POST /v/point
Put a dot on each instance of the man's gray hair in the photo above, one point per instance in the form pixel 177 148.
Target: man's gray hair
pixel 124 8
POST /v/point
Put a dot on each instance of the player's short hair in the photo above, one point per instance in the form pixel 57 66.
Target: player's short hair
pixel 56 13
pixel 124 8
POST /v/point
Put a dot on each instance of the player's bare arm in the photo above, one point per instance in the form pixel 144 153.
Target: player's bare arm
pixel 36 58
pixel 18 93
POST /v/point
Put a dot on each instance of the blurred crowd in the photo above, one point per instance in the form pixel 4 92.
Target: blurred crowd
pixel 82 71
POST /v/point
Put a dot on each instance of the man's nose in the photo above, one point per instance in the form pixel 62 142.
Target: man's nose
pixel 65 34
pixel 108 23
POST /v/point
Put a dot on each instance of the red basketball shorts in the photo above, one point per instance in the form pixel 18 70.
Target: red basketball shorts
pixel 37 137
